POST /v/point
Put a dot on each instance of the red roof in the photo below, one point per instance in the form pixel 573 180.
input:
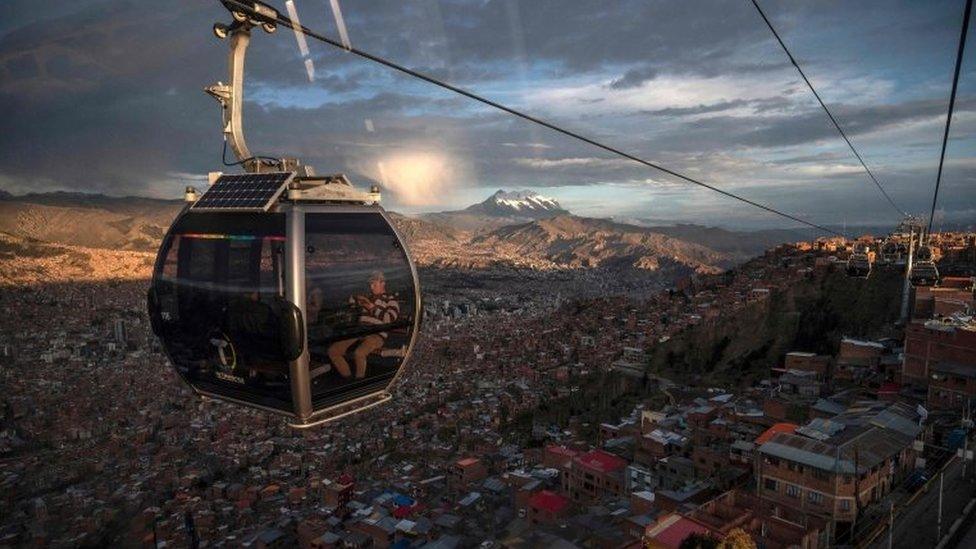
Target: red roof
pixel 468 462
pixel 548 501
pixel 601 461
pixel 671 531
pixel 405 511
pixel 345 478
pixel 778 428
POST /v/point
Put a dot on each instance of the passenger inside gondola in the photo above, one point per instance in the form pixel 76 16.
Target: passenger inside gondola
pixel 375 309
pixel 359 305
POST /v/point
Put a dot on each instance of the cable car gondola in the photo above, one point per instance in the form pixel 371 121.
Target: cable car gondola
pixel 889 252
pixel 924 272
pixel 859 263
pixel 279 289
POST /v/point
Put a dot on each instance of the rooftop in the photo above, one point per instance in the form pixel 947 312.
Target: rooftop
pixel 671 530
pixel 862 343
pixel 550 502
pixel 777 428
pixel 603 462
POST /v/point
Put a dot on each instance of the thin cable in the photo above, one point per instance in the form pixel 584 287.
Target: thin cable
pixel 470 95
pixel 267 159
pixel 952 102
pixel 826 110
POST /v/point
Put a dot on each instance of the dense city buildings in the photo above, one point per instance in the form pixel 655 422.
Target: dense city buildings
pixel 550 422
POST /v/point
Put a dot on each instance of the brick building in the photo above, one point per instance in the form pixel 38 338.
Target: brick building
pixel 934 342
pixel 560 458
pixel 858 358
pixel 808 362
pixel 466 471
pixel 742 510
pixel 951 385
pixel 338 493
pixel 547 507
pixel 596 475
pixel 932 302
pixel 839 467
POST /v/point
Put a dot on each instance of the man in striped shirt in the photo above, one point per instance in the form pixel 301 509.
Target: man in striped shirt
pixel 376 309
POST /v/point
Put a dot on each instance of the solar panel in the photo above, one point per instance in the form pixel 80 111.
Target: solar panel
pixel 249 192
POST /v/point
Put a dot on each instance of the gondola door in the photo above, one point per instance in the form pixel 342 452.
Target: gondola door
pixel 361 305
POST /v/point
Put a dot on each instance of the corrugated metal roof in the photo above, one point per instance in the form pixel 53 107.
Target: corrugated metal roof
pixel 806 451
pixel 869 434
pixel 743 445
pixel 828 406
pixel 821 429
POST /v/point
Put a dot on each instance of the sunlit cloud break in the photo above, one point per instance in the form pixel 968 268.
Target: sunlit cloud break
pixel 419 178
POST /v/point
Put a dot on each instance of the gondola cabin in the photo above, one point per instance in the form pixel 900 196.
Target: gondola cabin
pixel 889 253
pixel 924 272
pixel 278 289
pixel 859 263
pixel 293 295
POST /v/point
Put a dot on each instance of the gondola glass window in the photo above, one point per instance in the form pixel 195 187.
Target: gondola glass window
pixel 219 296
pixel 360 305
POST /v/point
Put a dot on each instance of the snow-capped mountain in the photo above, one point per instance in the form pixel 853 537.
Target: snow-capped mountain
pixel 522 204
pixel 500 209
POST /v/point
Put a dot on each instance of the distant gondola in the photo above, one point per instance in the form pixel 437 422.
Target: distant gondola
pixel 859 263
pixel 889 253
pixel 924 272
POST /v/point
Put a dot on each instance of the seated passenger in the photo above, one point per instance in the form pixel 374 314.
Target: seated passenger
pixel 376 309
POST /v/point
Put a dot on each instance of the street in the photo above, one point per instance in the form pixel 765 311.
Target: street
pixel 916 526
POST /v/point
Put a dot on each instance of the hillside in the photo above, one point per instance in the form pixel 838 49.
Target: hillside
pixel 812 315
pixel 93 221
pixel 25 262
pixel 580 242
pixel 738 244
pixel 553 239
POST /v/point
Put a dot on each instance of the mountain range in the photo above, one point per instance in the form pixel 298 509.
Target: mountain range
pixel 500 209
pixel 516 229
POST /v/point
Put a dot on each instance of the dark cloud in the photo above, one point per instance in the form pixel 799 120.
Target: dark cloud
pixel 107 95
pixel 700 109
pixel 855 119
pixel 634 78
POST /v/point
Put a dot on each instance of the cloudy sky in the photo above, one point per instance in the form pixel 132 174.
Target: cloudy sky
pixel 106 96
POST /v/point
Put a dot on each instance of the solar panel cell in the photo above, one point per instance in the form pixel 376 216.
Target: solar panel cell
pixel 248 192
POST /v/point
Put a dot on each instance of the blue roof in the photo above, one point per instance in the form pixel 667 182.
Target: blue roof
pixel 401 500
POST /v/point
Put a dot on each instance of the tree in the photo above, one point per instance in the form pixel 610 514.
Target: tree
pixel 737 538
